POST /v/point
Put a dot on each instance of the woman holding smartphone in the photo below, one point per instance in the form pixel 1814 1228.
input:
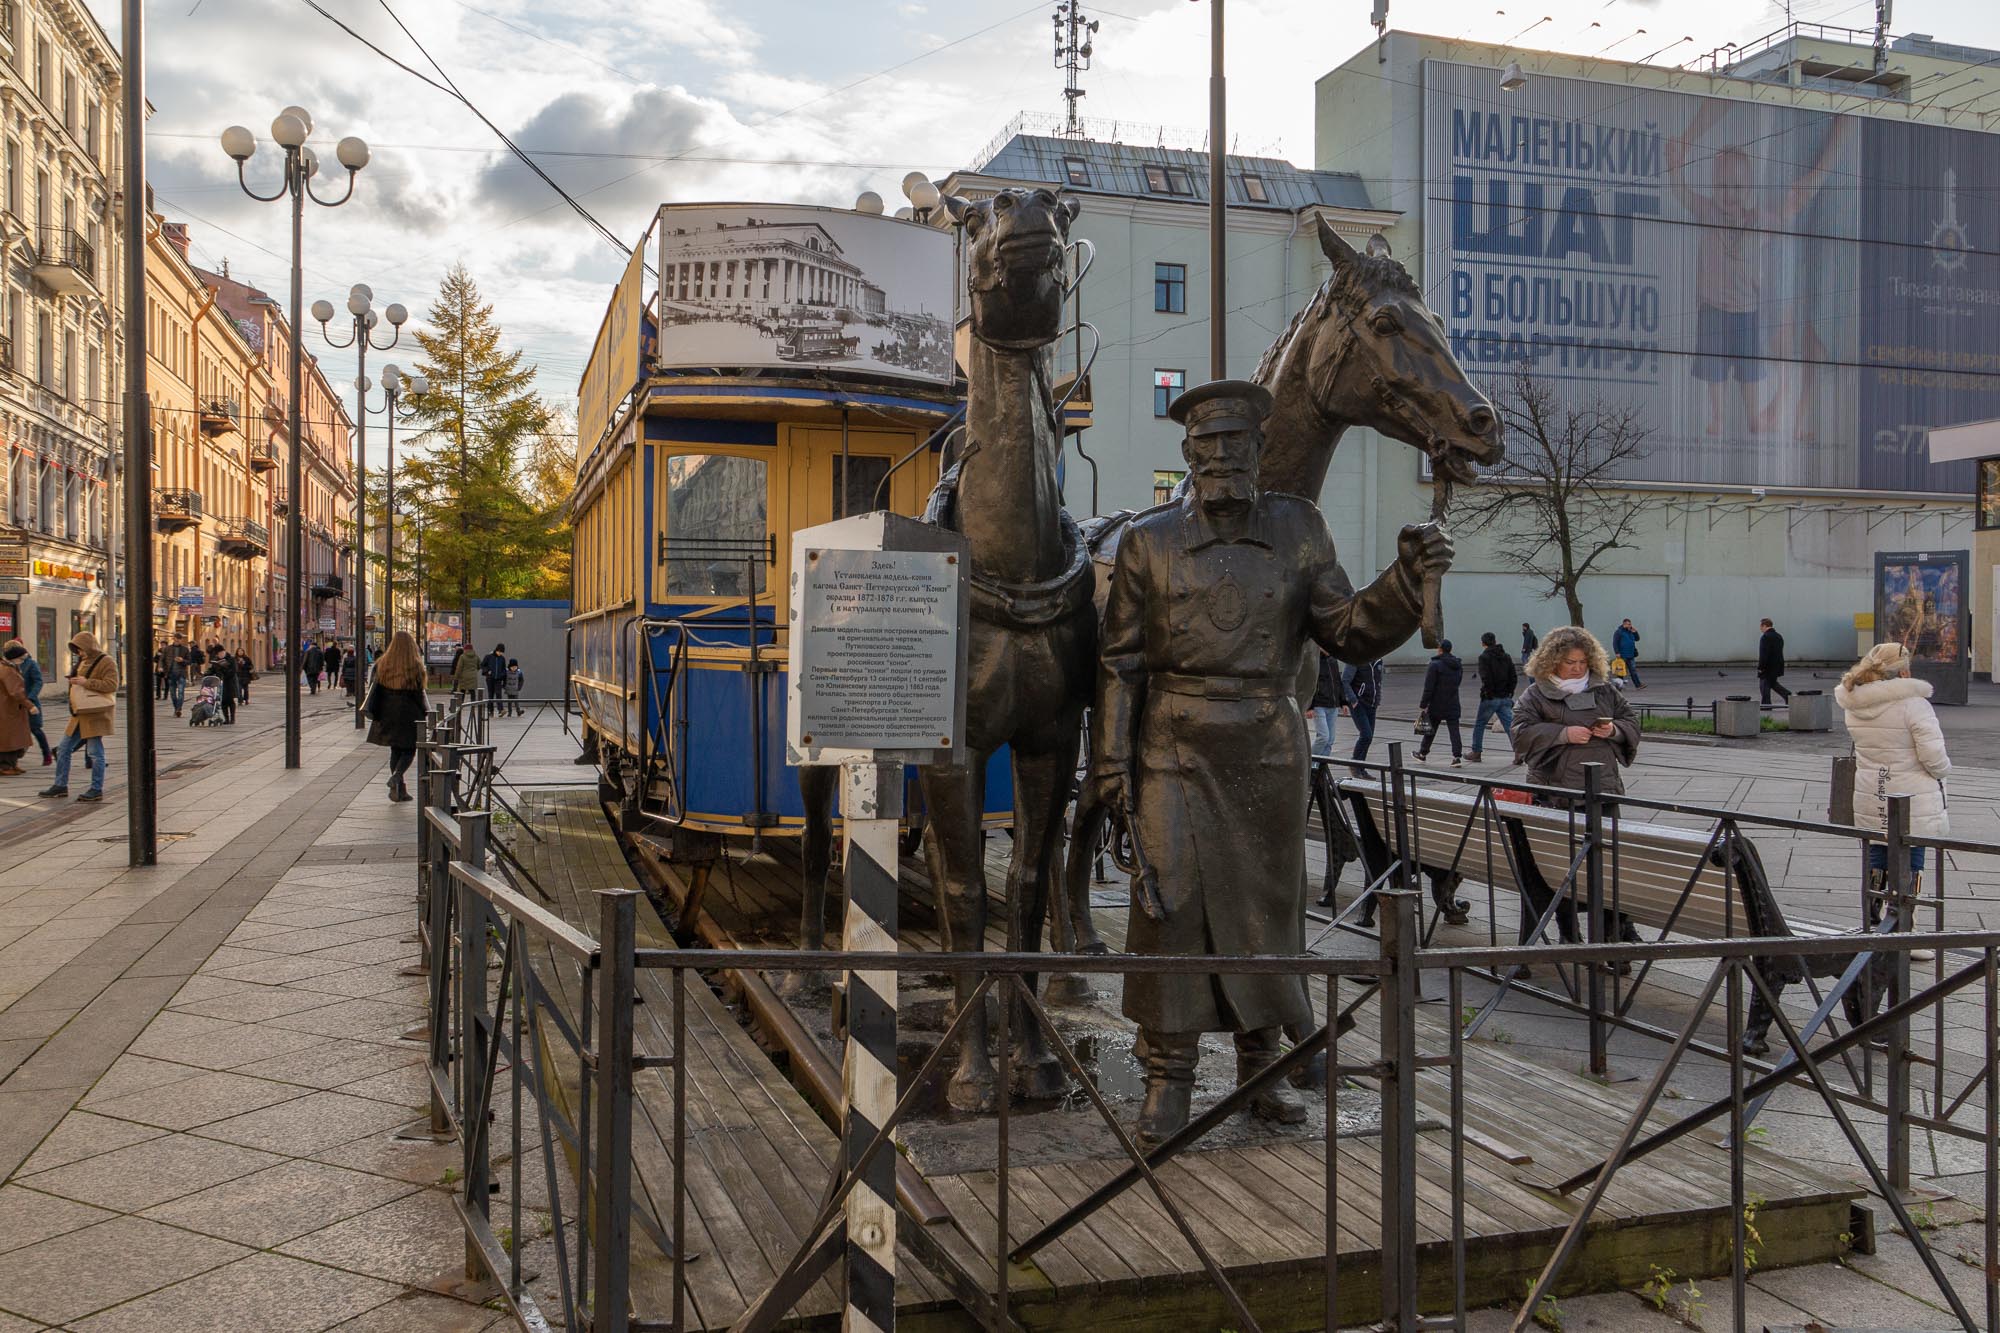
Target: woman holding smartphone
pixel 1569 715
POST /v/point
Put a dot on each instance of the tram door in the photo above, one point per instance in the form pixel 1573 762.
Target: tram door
pixel 830 484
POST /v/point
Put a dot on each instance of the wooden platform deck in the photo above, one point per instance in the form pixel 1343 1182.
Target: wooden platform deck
pixel 760 1158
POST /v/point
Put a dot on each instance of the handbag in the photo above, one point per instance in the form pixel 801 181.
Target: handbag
pixel 85 700
pixel 1423 720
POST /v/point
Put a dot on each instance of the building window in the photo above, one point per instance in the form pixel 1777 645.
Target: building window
pixel 14 177
pixel 1177 181
pixel 1167 386
pixel 1253 188
pixel 1164 481
pixel 44 60
pixel 1986 515
pixel 1076 170
pixel 1170 288
pixel 1156 179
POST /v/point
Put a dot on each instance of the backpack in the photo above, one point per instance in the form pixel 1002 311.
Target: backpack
pixel 514 681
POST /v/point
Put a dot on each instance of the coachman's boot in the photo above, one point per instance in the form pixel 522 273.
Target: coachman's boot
pixel 1255 1052
pixel 1169 1060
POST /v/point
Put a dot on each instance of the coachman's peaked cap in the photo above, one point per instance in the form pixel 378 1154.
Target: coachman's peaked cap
pixel 1221 405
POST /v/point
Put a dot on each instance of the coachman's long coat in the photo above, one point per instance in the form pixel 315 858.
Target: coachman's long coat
pixel 1202 640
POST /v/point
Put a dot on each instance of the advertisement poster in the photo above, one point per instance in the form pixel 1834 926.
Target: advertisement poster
pixel 1920 603
pixel 444 635
pixel 1713 262
pixel 784 286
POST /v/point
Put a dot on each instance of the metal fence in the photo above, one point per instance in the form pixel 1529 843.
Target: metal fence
pixel 480 1032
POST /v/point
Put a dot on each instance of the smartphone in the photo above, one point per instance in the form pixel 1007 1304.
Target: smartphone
pixel 1602 722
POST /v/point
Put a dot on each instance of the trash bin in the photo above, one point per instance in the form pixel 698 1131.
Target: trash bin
pixel 1811 710
pixel 1736 715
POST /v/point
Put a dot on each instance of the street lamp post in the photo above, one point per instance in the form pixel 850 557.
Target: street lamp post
pixel 290 130
pixel 361 338
pixel 394 385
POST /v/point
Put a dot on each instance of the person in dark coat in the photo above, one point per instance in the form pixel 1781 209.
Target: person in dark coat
pixel 395 708
pixel 223 667
pixel 1328 699
pixel 1528 642
pixel 1497 681
pixel 240 664
pixel 1625 647
pixel 1771 662
pixel 315 661
pixel 1439 705
pixel 332 662
pixel 1364 696
pixel 31 678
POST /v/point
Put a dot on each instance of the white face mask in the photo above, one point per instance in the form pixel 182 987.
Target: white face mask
pixel 1576 686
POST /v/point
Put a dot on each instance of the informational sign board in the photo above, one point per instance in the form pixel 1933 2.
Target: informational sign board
pixel 326 624
pixel 789 287
pixel 1921 602
pixel 1672 253
pixel 190 598
pixel 13 558
pixel 878 644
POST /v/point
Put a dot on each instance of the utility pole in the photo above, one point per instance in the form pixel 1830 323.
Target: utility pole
pixel 1218 215
pixel 141 791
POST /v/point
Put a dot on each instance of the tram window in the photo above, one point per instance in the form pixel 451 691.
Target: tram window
pixel 854 490
pixel 716 526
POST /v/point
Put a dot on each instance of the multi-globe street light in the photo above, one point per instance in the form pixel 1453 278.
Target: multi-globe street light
pixel 290 131
pixel 394 385
pixel 361 338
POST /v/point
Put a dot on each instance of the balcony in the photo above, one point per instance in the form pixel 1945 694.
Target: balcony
pixel 327 585
pixel 263 458
pixel 218 416
pixel 281 503
pixel 65 263
pixel 243 538
pixel 176 509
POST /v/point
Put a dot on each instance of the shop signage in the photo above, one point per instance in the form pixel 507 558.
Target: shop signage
pixel 49 569
pixel 190 598
pixel 13 558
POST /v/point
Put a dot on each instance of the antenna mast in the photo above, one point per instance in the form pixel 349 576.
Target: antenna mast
pixel 1073 39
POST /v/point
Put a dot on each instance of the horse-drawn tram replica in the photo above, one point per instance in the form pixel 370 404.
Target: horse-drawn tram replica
pixel 1135 1131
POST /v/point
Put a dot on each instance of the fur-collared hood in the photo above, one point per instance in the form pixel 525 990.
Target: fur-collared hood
pixel 1867 701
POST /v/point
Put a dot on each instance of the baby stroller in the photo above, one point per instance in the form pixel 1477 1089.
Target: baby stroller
pixel 207 710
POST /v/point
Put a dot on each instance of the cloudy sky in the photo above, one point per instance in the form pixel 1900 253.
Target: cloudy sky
pixel 630 105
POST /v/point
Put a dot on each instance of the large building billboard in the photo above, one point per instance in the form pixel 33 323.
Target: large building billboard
pixel 811 289
pixel 1790 298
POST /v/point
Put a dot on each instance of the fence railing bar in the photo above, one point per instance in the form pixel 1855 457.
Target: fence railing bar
pixel 544 923
pixel 1883 1184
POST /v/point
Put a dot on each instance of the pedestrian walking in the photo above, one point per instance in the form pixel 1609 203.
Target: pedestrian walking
pixel 515 682
pixel 93 696
pixel 1770 662
pixel 31 680
pixel 1569 715
pixel 160 673
pixel 315 660
pixel 179 656
pixel 1364 696
pixel 1497 682
pixel 464 675
pixel 1625 647
pixel 493 667
pixel 1328 698
pixel 395 707
pixel 332 657
pixel 223 667
pixel 1439 705
pixel 1528 642
pixel 15 734
pixel 1898 751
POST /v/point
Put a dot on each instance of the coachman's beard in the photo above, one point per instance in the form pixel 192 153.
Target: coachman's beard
pixel 1230 492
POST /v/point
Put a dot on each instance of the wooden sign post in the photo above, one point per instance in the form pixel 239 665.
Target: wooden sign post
pixel 877 682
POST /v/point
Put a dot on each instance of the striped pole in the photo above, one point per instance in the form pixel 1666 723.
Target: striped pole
pixel 871 807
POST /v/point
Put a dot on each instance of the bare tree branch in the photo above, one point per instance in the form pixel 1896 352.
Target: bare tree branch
pixel 1553 511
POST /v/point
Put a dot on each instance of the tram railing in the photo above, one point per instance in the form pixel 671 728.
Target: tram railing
pixel 522 1026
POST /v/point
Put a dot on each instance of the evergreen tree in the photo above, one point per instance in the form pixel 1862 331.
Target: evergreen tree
pixel 485 535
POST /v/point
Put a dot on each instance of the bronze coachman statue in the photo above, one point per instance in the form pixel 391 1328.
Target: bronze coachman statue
pixel 1197 735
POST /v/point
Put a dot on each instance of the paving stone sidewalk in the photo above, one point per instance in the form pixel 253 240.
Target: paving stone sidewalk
pixel 199 1107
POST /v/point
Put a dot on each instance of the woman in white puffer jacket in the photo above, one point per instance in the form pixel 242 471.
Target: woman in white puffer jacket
pixel 1898 749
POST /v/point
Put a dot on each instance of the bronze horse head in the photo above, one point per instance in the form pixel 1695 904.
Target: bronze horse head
pixel 1014 264
pixel 1367 351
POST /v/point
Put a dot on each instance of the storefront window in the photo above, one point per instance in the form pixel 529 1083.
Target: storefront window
pixel 717 542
